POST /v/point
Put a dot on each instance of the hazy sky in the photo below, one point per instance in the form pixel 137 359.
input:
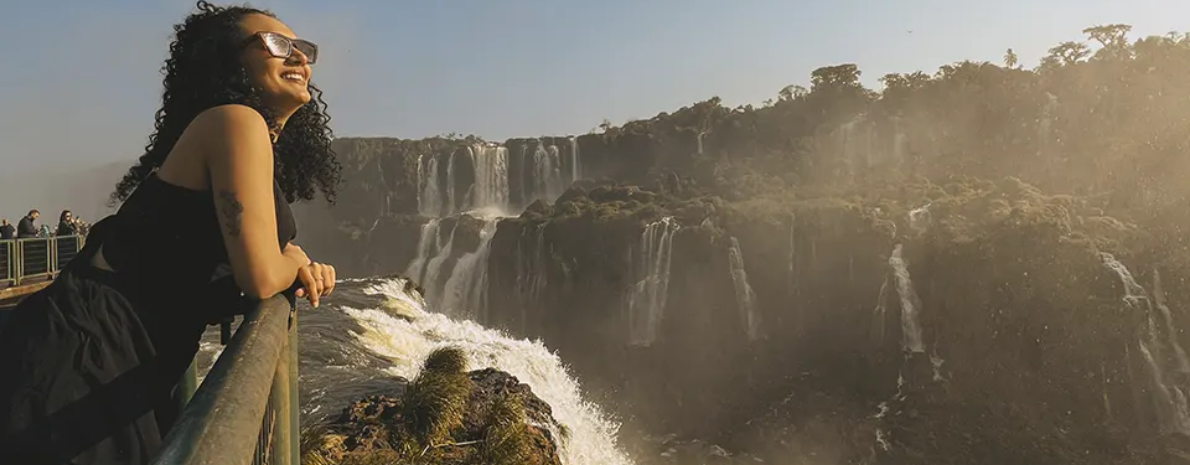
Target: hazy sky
pixel 80 79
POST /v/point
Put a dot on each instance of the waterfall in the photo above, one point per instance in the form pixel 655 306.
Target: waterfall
pixel 547 174
pixel 911 340
pixel 489 196
pixel 429 195
pixel 576 163
pixel 855 140
pixel 465 293
pixel 745 298
pixel 1163 355
pixel 878 313
pixel 404 333
pixel 646 299
pixel 451 192
pixel 428 246
pixel 531 272
pixel 491 178
pixel 433 271
pixel 919 218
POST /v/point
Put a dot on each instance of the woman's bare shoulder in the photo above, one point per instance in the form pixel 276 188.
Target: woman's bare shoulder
pixel 232 119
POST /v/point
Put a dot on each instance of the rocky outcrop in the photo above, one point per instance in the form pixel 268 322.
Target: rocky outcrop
pixel 444 416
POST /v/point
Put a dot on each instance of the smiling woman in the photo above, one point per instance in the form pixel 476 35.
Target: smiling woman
pixel 89 362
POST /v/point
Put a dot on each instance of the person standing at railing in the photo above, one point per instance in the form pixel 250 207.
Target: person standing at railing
pixel 81 226
pixel 66 226
pixel 88 364
pixel 25 227
pixel 6 230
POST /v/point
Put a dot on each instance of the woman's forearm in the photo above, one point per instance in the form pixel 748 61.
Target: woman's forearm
pixel 282 271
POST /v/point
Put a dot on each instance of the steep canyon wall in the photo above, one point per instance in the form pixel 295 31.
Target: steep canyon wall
pixel 893 271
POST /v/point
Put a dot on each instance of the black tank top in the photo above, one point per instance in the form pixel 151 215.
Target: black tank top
pixel 166 242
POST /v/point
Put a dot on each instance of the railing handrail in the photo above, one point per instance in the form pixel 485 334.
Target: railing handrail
pixel 12 257
pixel 255 373
pixel 38 238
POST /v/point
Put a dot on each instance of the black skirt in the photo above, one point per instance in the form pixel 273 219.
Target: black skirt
pixel 81 379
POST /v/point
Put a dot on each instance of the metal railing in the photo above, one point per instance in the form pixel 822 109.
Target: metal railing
pixel 36 258
pixel 246 409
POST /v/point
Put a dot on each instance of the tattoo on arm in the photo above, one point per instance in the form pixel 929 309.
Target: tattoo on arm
pixel 231 211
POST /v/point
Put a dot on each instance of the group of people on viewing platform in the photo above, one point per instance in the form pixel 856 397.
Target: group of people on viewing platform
pixel 68 225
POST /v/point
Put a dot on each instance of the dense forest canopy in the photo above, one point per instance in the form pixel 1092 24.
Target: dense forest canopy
pixel 1104 115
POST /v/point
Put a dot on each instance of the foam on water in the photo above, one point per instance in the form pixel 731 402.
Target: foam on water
pixel 405 334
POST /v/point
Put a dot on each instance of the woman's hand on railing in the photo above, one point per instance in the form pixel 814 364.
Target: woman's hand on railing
pixel 318 279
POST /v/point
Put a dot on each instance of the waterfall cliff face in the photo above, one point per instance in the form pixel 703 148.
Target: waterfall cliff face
pixel 475 186
pixel 1166 369
pixel 647 297
pixel 687 316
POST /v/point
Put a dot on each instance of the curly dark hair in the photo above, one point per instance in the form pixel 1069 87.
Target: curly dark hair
pixel 204 71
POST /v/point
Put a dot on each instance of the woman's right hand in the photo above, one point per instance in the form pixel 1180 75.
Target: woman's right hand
pixel 318 280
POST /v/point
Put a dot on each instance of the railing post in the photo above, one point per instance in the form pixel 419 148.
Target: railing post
pixel 250 387
pixel 295 411
pixel 19 269
pixel 51 256
pixel 9 260
pixel 279 450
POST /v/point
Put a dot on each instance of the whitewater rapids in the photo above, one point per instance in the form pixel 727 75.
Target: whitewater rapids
pixel 371 331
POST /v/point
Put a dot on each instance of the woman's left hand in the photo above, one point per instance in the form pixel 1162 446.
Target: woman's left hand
pixel 318 280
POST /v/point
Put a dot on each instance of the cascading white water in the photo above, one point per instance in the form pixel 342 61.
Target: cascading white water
pixel 878 313
pixel 911 339
pixel 647 298
pixel 412 333
pixel 465 293
pixel 429 196
pixel 428 247
pixel 491 177
pixel 1171 331
pixel 546 178
pixel 451 192
pixel 856 138
pixel 432 273
pixel 1162 355
pixel 488 197
pixel 849 135
pixel 489 192
pixel 919 218
pixel 745 297
pixel 576 162
pixel 405 334
pixel 547 173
